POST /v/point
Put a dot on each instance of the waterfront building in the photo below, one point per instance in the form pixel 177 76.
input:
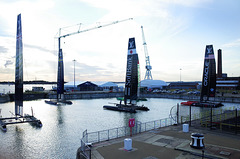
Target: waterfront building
pixel 228 83
pixel 184 85
pixel 153 84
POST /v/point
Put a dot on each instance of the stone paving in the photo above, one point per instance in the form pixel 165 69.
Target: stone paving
pixel 170 143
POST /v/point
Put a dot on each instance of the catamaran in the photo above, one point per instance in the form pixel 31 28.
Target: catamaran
pixel 19 117
pixel 131 83
pixel 60 83
pixel 208 81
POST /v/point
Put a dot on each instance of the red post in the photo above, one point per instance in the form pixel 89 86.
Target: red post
pixel 131 123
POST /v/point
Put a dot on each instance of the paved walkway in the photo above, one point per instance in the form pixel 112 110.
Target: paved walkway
pixel 170 143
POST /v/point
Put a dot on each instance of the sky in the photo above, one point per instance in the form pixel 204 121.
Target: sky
pixel 176 33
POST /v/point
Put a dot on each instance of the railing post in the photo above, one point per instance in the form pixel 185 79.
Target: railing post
pixel 98 137
pixel 190 114
pixel 236 121
pixel 211 119
pixel 177 113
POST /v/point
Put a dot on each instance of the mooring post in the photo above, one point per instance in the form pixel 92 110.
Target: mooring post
pixel 236 120
pixel 177 113
pixel 202 154
pixel 190 114
pixel 211 119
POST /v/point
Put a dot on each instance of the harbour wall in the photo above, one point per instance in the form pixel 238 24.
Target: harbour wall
pixel 192 97
pixel 89 95
pixel 102 94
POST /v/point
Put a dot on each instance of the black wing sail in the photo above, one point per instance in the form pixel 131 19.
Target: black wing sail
pixel 19 70
pixel 131 83
pixel 60 77
pixel 209 75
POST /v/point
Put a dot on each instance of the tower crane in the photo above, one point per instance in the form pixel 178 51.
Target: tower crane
pixel 81 31
pixel 148 74
pixel 60 76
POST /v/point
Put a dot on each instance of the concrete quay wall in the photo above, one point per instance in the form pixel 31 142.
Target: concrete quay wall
pixel 192 97
pixel 88 95
pixel 101 94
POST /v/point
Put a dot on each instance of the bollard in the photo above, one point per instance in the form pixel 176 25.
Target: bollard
pixel 128 144
pixel 185 127
pixel 197 141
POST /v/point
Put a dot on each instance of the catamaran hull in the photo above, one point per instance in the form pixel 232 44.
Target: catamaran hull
pixel 138 99
pixel 121 109
pixel 58 102
pixel 33 120
pixel 207 104
pixel 188 103
pixel 136 107
pixel 3 126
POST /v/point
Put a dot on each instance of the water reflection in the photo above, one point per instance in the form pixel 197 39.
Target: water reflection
pixel 63 125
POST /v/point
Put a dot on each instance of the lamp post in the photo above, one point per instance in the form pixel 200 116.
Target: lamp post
pixel 180 74
pixel 74 72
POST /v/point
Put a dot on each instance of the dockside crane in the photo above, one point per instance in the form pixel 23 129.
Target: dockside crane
pixel 81 31
pixel 60 76
pixel 148 74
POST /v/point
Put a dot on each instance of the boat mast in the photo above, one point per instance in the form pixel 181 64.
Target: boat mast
pixel 19 70
pixel 131 82
pixel 209 75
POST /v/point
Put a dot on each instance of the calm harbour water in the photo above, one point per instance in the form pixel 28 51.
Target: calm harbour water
pixel 63 125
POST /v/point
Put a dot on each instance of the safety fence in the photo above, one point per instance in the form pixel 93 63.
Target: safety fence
pixel 104 135
pixel 224 119
pixel 85 147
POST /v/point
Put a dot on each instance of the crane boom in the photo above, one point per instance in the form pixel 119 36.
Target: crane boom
pixel 148 74
pixel 97 27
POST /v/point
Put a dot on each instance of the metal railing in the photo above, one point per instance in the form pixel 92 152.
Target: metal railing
pixel 223 119
pixel 85 149
pixel 105 135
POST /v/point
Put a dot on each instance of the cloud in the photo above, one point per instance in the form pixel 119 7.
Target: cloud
pixel 235 43
pixel 3 49
pixel 8 62
pixel 40 48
